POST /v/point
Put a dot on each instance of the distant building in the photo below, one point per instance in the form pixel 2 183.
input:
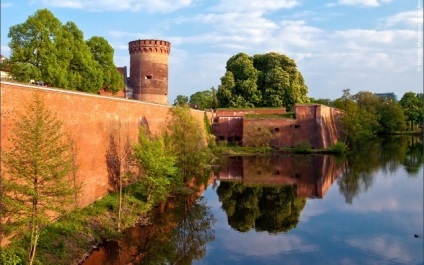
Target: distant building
pixel 387 95
pixel 314 125
pixel 4 73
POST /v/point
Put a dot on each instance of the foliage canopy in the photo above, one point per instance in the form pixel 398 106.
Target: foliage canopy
pixel 264 80
pixel 44 49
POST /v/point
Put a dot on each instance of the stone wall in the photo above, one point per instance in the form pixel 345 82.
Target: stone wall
pixel 90 119
pixel 228 123
pixel 315 125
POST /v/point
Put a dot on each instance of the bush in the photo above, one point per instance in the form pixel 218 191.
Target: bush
pixel 303 148
pixel 338 148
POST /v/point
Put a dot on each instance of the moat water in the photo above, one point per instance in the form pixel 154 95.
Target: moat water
pixel 366 208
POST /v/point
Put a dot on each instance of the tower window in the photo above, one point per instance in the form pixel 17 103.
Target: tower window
pixel 148 77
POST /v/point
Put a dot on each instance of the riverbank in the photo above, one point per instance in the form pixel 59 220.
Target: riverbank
pixel 74 236
pixel 235 150
pixel 71 238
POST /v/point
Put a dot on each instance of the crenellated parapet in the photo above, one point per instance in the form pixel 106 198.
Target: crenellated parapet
pixel 156 46
pixel 149 70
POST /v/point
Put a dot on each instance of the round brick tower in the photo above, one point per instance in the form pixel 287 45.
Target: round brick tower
pixel 149 70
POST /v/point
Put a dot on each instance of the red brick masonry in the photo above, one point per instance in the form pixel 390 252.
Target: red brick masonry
pixel 89 119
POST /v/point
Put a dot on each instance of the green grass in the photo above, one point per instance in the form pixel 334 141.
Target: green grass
pixel 73 234
pixel 288 115
pixel 268 108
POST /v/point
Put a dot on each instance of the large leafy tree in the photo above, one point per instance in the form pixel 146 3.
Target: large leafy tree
pixel 391 116
pixel 203 98
pixel 413 106
pixel 181 100
pixel 103 53
pixel 84 73
pixel 44 49
pixel 358 123
pixel 39 166
pixel 264 80
pixel 38 49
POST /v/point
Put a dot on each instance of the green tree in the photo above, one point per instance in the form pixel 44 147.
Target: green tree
pixel 43 49
pixel 358 124
pixel 187 143
pixel 202 98
pixel 224 93
pixel 367 100
pixel 181 100
pixel 156 166
pixel 413 106
pixel 39 167
pixel 322 101
pixel 84 73
pixel 264 80
pixel 391 117
pixel 38 50
pixel 103 53
pixel 279 80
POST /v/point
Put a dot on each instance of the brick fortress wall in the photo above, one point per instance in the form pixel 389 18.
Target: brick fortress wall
pixel 315 125
pixel 90 119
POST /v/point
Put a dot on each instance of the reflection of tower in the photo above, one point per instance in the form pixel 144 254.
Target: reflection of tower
pixel 149 70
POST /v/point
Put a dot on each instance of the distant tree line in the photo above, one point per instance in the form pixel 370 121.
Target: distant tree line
pixel 44 49
pixel 367 115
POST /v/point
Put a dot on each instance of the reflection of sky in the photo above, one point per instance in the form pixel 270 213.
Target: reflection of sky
pixel 377 228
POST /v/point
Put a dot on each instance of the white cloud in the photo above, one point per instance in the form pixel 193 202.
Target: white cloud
pixel 160 6
pixel 409 18
pixel 362 58
pixel 365 3
pixel 251 24
pixel 5 5
pixel 253 5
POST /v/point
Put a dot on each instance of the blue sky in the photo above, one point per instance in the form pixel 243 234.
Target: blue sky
pixel 363 45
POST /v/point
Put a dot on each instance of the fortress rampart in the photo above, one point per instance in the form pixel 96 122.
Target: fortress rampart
pixel 91 120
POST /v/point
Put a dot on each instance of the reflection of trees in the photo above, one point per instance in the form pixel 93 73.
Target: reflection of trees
pixel 414 157
pixel 186 242
pixel 273 209
pixel 387 154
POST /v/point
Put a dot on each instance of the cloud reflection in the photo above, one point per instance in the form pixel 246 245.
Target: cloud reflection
pixel 262 244
pixel 389 247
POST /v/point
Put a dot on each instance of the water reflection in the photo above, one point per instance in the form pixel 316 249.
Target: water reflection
pixel 291 209
pixel 311 175
pixel 269 193
pixel 179 232
pixel 387 154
